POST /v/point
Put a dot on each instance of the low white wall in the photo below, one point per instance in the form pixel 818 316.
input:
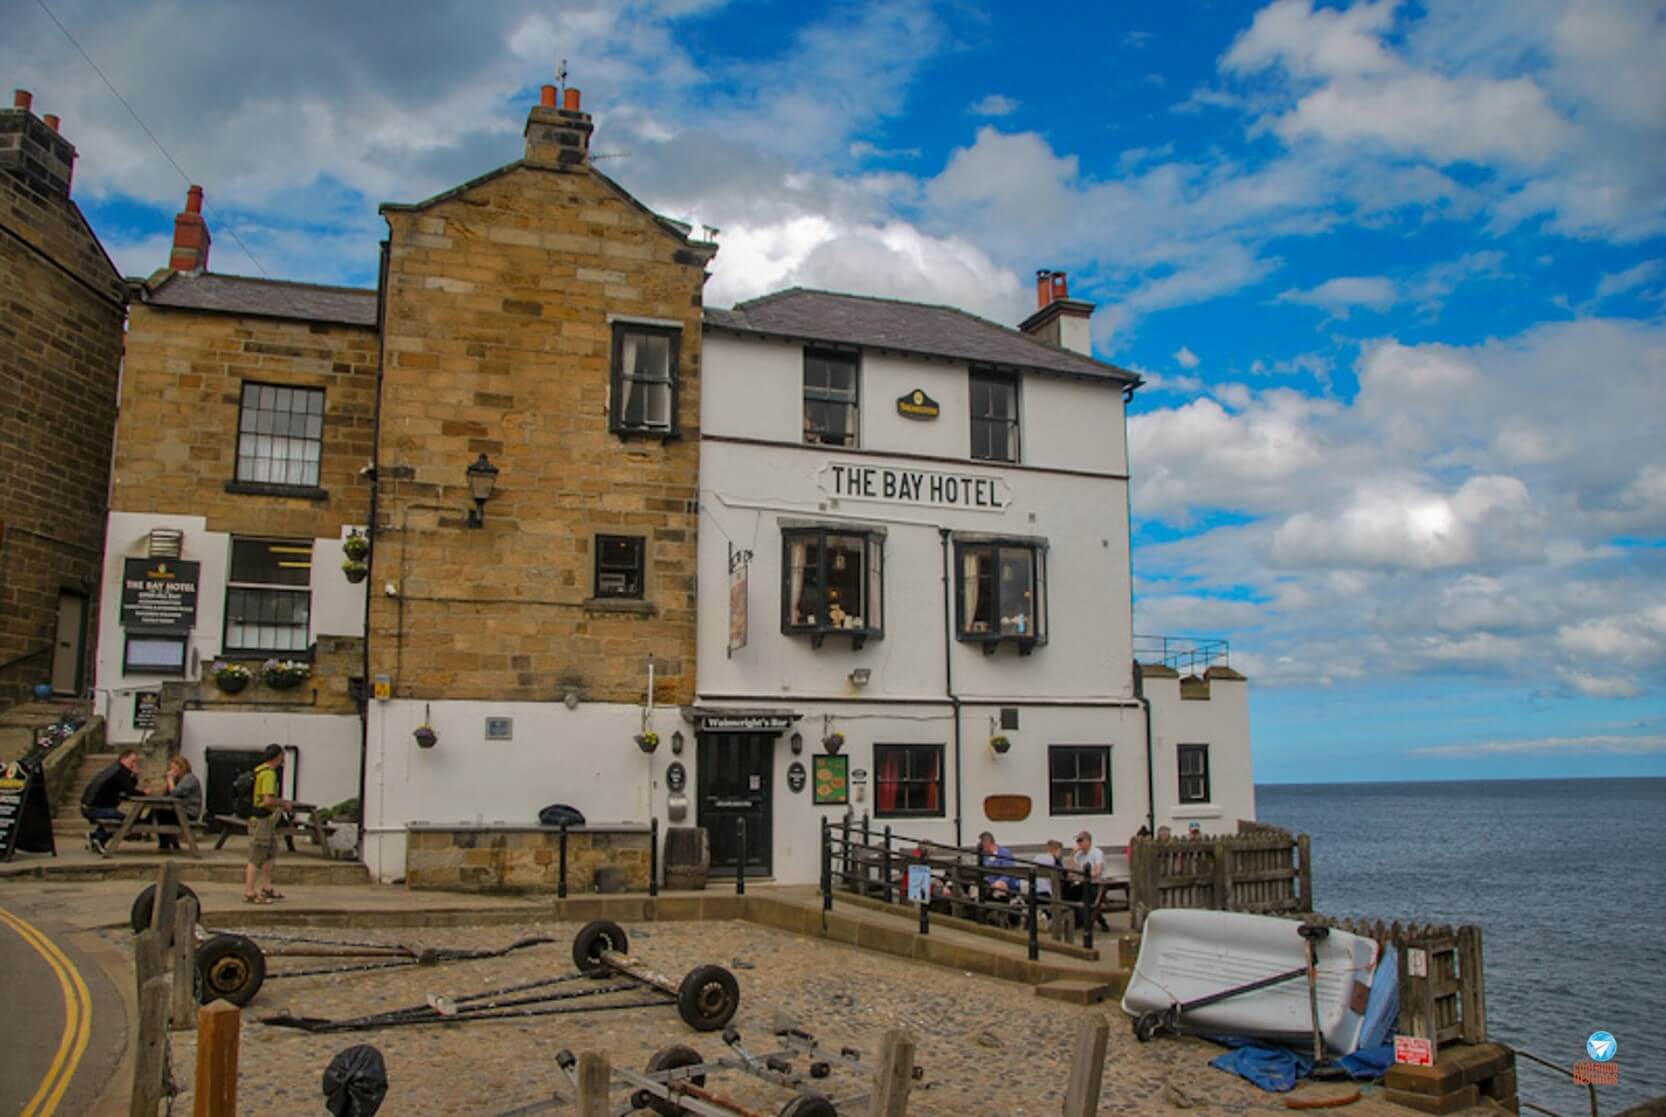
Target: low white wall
pixel 328 746
pixel 1222 723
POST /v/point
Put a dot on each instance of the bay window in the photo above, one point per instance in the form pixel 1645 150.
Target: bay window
pixel 832 581
pixel 1002 594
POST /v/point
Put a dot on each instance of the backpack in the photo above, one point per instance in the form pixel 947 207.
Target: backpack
pixel 560 814
pixel 243 794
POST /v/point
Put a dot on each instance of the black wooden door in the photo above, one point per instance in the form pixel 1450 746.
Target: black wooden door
pixel 735 777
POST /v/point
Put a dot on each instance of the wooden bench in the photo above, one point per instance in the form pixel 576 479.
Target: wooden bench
pixel 151 809
pixel 303 821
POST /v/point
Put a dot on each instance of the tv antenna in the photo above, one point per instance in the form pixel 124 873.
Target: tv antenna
pixel 561 76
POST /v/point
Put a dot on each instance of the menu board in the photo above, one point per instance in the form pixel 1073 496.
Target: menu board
pixel 25 815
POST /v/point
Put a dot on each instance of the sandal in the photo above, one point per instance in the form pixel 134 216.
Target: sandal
pixel 273 894
pixel 255 898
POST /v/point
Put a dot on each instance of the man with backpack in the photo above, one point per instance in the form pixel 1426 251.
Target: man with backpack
pixel 265 807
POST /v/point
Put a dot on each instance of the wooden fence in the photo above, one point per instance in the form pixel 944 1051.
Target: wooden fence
pixel 1261 869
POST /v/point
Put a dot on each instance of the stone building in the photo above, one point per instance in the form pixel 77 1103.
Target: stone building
pixel 61 308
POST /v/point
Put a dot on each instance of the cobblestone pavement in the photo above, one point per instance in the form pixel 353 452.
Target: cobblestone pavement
pixel 989 1048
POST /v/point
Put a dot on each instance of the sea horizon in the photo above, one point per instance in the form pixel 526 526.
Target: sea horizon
pixel 1464 779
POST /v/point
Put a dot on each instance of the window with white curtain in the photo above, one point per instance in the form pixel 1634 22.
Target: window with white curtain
pixel 832 581
pixel 1002 593
pixel 645 378
pixel 280 435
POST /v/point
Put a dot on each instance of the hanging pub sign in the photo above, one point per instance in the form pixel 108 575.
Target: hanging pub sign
pixel 25 815
pixel 740 562
pixel 744 723
pixel 933 488
pixel 917 405
pixel 146 705
pixel 159 593
pixel 796 776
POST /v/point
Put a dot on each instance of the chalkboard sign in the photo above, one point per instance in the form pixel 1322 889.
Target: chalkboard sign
pixel 146 705
pixel 25 815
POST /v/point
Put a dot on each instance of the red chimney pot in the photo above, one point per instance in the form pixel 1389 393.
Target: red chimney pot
pixel 193 200
pixel 569 99
pixel 22 99
pixel 546 96
pixel 52 121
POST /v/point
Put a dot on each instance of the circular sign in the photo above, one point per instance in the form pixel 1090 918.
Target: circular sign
pixel 795 777
pixel 676 776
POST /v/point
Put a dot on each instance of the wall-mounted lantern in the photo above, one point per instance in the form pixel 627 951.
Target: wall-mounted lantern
pixel 797 742
pixel 677 742
pixel 482 480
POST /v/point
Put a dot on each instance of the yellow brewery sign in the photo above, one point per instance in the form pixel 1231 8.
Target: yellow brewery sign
pixel 917 405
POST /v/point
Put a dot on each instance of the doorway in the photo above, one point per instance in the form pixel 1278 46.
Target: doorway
pixel 736 776
pixel 69 644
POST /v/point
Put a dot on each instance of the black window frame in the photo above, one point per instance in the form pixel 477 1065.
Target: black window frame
pixel 242 484
pixel 617 379
pixel 1182 751
pixel 873 561
pixel 828 397
pixel 1055 752
pixel 639 568
pixel 990 640
pixel 271 589
pixel 912 748
pixel 1014 423
pixel 179 639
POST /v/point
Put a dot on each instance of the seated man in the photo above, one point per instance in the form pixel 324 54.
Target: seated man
pixel 1002 888
pixel 102 799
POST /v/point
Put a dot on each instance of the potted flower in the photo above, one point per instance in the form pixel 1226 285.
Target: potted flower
pixel 647 740
pixel 833 742
pixel 1000 744
pixel 356 545
pixel 425 736
pixel 284 674
pixel 356 570
pixel 231 678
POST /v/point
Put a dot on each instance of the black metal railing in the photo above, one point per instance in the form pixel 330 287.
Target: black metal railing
pixel 957 881
pixel 1190 654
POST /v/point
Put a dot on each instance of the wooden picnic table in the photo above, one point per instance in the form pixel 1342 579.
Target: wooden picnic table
pixel 301 818
pixel 135 808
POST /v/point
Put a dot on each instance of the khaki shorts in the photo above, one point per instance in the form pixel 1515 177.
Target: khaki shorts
pixel 263 840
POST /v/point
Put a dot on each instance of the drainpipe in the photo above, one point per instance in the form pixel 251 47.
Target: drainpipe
pixel 368 686
pixel 1139 674
pixel 948 672
pixel 1150 777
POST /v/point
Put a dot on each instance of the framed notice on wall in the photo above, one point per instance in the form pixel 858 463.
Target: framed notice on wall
pixel 832 780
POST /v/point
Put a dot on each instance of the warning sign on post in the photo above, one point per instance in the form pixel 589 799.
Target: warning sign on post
pixel 1414 1051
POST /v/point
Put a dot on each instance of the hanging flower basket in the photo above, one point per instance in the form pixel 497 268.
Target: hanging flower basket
pixel 425 736
pixel 355 570
pixel 1000 744
pixel 648 741
pixel 356 546
pixel 833 742
pixel 231 678
pixel 284 674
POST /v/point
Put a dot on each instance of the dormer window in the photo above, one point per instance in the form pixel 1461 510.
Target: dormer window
pixel 832 583
pixel 1002 594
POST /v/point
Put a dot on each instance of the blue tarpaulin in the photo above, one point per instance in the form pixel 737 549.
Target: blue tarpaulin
pixel 1278 1069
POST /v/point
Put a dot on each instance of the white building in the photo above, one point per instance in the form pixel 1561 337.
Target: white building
pixel 923 517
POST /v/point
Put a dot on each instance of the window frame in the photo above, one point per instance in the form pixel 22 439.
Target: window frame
pixel 942 780
pixel 617 379
pixel 1026 641
pixel 873 565
pixel 227 649
pixel 240 483
pixel 1016 432
pixel 855 402
pixel 1182 751
pixel 640 569
pixel 1104 751
pixel 180 639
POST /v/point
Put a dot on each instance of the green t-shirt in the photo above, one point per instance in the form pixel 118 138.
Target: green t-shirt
pixel 266 786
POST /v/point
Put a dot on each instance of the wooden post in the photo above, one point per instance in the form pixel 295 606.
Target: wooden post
pixel 1087 1066
pixel 1223 878
pixel 162 909
pixel 148 961
pixel 1304 868
pixel 184 1005
pixel 594 1074
pixel 219 1030
pixel 150 1049
pixel 894 1076
pixel 1472 986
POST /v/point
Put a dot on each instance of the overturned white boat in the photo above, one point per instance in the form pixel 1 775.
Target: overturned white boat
pixel 1231 974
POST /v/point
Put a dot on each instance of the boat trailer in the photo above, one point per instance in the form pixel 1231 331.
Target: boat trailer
pixel 706 998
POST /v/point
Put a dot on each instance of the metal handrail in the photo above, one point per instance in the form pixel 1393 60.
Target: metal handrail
pixel 1558 1068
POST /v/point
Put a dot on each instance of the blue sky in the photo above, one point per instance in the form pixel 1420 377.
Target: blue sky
pixel 1395 274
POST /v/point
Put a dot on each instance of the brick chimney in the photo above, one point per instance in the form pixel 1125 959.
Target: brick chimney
pixel 32 148
pixel 1059 319
pixel 558 137
pixel 191 239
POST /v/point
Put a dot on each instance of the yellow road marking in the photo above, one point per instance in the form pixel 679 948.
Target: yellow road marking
pixel 78 1011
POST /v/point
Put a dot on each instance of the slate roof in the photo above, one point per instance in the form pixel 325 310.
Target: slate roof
pixel 265 298
pixel 925 329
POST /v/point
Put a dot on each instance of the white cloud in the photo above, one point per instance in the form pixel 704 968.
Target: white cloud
pixel 1185 358
pixel 994 104
pixel 1341 295
pixel 1629 279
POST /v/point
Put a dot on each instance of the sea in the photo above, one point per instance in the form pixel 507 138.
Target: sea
pixel 1566 878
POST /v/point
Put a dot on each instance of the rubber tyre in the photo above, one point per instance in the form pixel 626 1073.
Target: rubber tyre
pixel 669 1058
pixel 231 968
pixel 593 938
pixel 138 917
pixel 708 998
pixel 809 1105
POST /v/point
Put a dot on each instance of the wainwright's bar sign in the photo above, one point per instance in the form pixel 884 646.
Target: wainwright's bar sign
pixel 926 487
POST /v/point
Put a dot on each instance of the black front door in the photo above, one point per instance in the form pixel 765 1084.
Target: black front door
pixel 736 771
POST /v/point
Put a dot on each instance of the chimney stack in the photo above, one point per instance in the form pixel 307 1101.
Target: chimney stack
pixel 558 138
pixel 32 148
pixel 1059 319
pixel 191 239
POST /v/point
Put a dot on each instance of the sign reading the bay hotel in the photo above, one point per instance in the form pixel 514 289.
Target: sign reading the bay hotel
pixel 159 593
pixel 924 487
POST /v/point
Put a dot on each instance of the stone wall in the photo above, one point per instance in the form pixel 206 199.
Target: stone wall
pixel 498 342
pixel 61 308
pixel 181 393
pixel 493 860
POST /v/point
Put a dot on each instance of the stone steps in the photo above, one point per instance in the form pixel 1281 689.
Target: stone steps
pixel 1074 992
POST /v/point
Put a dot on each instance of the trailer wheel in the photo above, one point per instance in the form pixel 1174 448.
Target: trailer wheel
pixel 229 967
pixel 669 1058
pixel 707 998
pixel 593 938
pixel 809 1105
pixel 144 903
